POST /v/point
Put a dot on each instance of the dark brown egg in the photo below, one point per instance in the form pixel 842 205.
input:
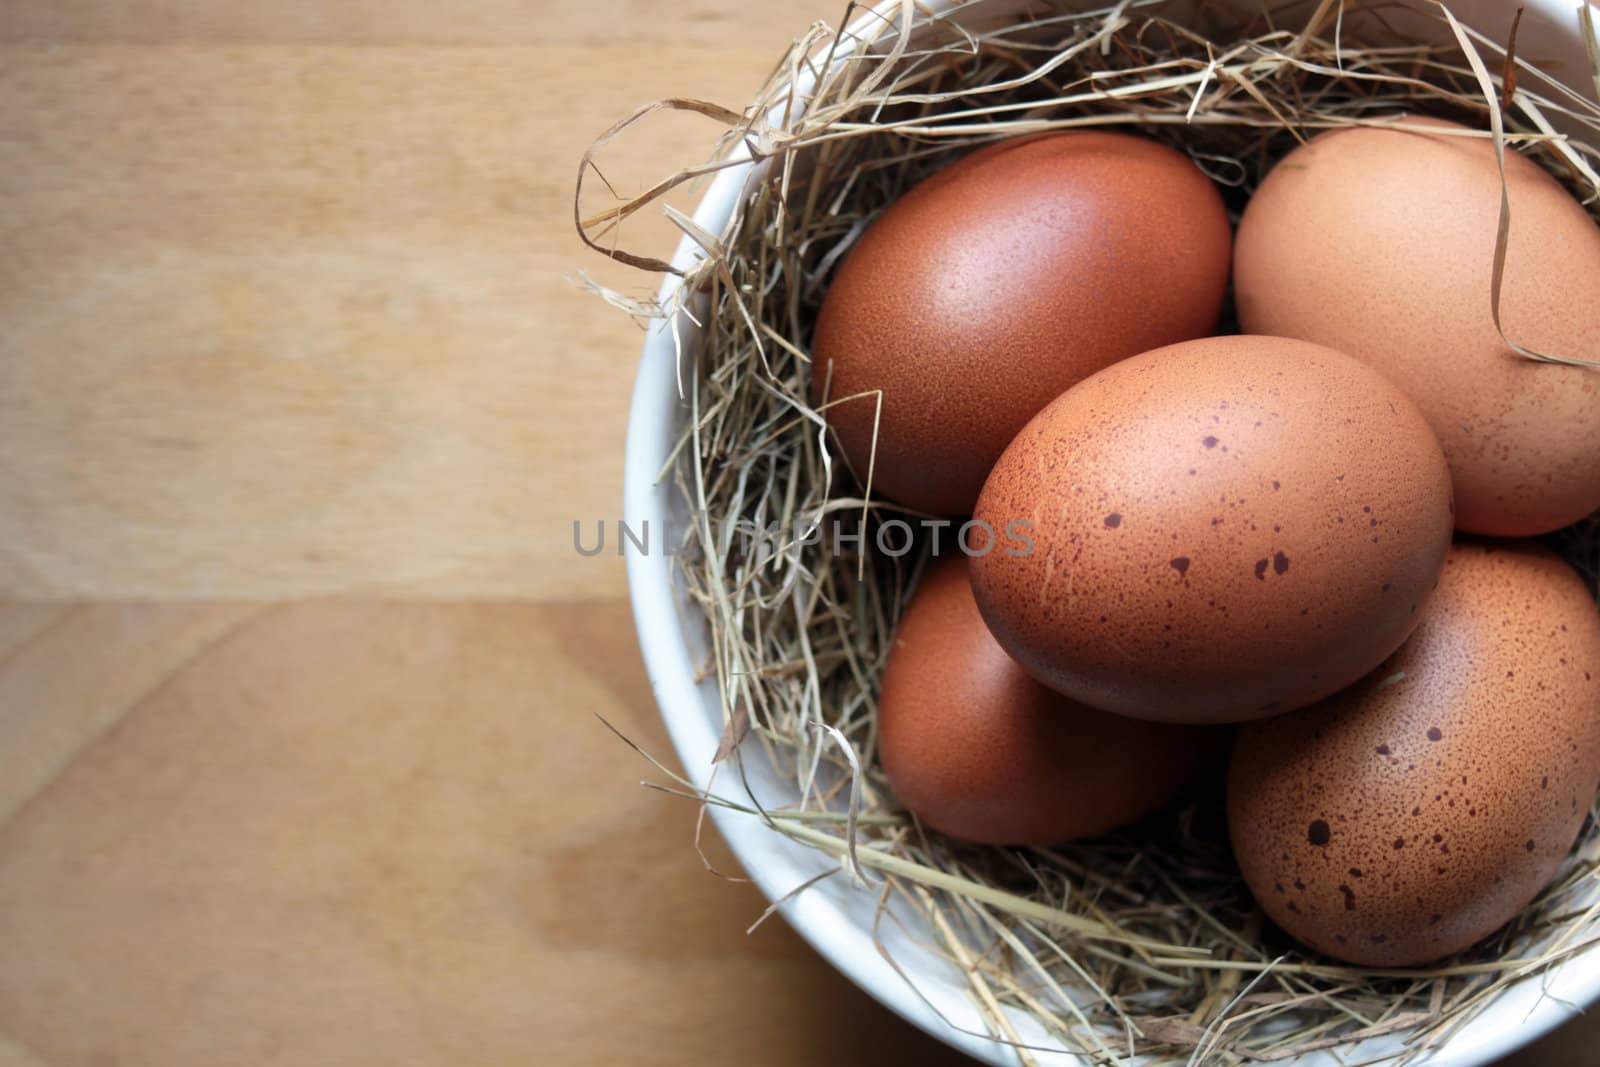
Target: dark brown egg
pixel 1221 530
pixel 981 751
pixel 1380 243
pixel 1418 811
pixel 997 283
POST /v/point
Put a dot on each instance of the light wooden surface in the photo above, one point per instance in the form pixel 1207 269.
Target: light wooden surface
pixel 283 314
pixel 286 286
pixel 373 833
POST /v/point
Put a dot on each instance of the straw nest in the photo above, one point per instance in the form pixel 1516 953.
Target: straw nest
pixel 1144 942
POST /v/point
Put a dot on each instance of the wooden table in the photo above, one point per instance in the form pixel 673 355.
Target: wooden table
pixel 298 671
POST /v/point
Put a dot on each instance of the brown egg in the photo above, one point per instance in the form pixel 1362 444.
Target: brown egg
pixel 1418 811
pixel 997 283
pixel 1380 243
pixel 1221 530
pixel 981 751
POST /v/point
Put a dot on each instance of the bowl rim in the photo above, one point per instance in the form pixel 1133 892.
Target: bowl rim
pixel 1523 1013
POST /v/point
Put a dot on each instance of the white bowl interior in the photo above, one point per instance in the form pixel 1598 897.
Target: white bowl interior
pixel 834 916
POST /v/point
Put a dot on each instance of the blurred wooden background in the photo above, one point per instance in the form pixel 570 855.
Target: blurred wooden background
pixel 298 668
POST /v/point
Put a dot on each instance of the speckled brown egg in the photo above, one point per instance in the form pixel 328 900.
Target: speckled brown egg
pixel 1380 243
pixel 1418 811
pixel 1221 530
pixel 997 283
pixel 981 751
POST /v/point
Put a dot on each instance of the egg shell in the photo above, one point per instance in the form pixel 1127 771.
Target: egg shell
pixel 1418 811
pixel 1000 281
pixel 1221 530
pixel 980 751
pixel 1380 243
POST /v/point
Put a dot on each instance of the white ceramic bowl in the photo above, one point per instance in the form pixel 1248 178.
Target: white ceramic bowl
pixel 836 918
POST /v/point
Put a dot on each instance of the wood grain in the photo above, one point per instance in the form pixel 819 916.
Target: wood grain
pixel 53 707
pixel 353 833
pixel 719 25
pixel 288 289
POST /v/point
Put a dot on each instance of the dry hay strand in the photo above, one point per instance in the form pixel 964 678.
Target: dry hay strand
pixel 1143 942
